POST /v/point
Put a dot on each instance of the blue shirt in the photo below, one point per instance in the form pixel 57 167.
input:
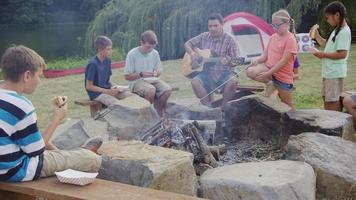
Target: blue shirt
pixel 98 72
pixel 21 143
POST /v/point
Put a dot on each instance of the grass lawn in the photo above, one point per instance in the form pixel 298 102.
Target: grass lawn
pixel 307 94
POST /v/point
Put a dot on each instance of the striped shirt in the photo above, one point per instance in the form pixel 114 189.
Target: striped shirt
pixel 220 46
pixel 21 143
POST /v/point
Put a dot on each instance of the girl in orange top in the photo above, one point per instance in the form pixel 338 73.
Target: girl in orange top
pixel 277 61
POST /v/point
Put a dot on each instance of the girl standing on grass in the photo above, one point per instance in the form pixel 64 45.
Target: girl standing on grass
pixel 335 55
pixel 277 61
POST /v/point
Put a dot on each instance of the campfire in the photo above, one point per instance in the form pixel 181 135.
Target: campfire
pixel 211 148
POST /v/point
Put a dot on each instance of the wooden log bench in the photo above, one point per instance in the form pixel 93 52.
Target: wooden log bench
pixel 51 189
pixel 95 106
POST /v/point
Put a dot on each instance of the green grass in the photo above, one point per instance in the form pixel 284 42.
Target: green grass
pixel 73 62
pixel 307 94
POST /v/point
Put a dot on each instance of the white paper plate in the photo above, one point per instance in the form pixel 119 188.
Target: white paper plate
pixel 151 79
pixel 76 177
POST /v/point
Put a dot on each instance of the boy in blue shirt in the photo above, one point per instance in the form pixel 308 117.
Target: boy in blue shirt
pixel 97 75
pixel 25 153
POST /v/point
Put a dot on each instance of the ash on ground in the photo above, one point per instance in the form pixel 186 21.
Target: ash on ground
pixel 249 151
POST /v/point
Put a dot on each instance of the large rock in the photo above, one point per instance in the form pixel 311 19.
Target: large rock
pixel 129 117
pixel 256 117
pixel 322 121
pixel 75 132
pixel 333 159
pixel 193 110
pixel 277 180
pixel 135 163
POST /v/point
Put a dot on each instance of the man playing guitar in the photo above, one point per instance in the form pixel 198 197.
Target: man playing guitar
pixel 222 45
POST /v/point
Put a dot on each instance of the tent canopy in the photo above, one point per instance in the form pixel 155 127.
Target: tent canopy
pixel 250 32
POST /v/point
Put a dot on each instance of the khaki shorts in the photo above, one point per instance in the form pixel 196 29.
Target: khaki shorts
pixel 332 89
pixel 110 100
pixel 140 87
pixel 77 159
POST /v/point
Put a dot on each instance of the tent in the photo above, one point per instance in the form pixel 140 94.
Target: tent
pixel 250 32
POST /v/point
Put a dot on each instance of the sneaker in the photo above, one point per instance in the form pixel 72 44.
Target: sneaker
pixel 93 144
pixel 270 88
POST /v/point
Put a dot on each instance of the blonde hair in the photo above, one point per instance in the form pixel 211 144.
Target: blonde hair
pixel 285 17
pixel 149 37
pixel 17 60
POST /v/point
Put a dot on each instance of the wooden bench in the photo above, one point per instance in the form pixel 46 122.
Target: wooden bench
pixel 52 189
pixel 95 106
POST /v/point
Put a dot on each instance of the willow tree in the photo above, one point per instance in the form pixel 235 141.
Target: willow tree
pixel 176 21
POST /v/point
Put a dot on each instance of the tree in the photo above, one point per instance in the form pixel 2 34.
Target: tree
pixel 23 11
pixel 176 21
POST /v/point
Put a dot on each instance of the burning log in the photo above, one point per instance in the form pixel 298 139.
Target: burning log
pixel 217 150
pixel 188 138
pixel 200 150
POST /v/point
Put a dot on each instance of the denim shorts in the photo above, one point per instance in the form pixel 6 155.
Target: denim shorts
pixel 281 85
pixel 210 85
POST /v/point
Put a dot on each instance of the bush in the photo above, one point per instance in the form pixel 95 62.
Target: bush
pixel 74 62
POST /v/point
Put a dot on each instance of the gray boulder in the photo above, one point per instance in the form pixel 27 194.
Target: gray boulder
pixel 322 121
pixel 277 180
pixel 125 120
pixel 193 110
pixel 135 163
pixel 333 159
pixel 256 117
pixel 129 117
pixel 75 132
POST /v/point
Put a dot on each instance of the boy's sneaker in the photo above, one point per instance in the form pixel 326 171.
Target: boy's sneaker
pixel 93 144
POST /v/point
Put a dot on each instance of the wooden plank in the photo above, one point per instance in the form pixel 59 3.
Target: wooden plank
pixel 51 188
pixel 86 102
pixel 15 196
pixel 255 88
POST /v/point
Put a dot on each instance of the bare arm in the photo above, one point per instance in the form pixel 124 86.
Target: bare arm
pixel 113 91
pixel 189 49
pixel 91 87
pixel 321 41
pixel 286 56
pixel 336 55
pixel 57 116
pixel 261 59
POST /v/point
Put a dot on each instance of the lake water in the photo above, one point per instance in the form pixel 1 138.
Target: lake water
pixel 52 41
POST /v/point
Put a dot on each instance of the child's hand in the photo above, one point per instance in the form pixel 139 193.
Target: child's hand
pixel 254 62
pixel 120 88
pixel 312 50
pixel 315 52
pixel 155 73
pixel 59 112
pixel 113 91
pixel 147 74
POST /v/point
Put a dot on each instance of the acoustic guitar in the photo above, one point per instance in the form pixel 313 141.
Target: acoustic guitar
pixel 190 68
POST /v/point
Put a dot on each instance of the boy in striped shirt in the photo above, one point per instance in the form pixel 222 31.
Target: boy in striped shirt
pixel 25 153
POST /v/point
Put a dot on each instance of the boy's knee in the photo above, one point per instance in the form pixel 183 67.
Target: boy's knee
pixel 250 73
pixel 347 100
pixel 195 83
pixel 150 94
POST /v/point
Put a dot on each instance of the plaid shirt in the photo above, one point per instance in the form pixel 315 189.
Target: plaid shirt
pixel 220 46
